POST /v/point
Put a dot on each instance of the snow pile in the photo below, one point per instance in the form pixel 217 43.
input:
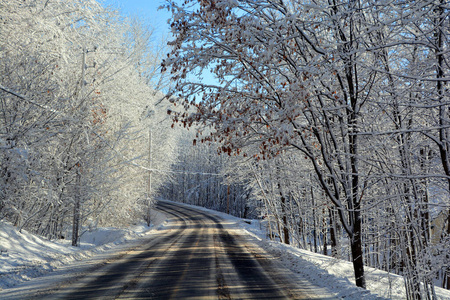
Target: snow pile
pixel 25 256
pixel 333 275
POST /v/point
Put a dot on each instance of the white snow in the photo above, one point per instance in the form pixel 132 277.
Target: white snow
pixel 25 256
pixel 333 276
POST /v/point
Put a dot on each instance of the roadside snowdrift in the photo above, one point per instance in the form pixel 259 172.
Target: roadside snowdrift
pixel 334 275
pixel 25 256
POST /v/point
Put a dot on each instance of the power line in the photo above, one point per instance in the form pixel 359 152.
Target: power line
pixel 175 172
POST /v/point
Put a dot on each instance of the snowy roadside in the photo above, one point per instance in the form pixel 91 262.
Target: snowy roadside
pixel 334 275
pixel 24 256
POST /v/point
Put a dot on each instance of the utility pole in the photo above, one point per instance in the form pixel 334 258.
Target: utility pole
pixel 77 199
pixel 76 212
pixel 228 198
pixel 149 187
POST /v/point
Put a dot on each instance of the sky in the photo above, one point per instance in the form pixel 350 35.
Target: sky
pixel 146 10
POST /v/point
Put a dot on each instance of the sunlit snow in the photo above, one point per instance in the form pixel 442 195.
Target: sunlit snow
pixel 25 256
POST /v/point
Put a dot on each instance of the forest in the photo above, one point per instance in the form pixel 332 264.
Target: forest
pixel 80 108
pixel 334 116
pixel 329 120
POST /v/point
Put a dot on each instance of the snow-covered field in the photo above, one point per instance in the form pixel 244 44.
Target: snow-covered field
pixel 25 256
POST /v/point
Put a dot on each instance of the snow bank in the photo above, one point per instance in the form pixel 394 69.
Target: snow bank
pixel 25 256
pixel 335 276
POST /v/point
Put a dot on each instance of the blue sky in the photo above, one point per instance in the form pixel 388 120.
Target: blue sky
pixel 146 10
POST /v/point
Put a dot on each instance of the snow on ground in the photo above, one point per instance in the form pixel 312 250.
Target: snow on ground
pixel 25 256
pixel 334 275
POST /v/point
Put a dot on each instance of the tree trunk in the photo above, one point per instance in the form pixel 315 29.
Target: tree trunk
pixel 443 112
pixel 283 211
pixel 314 221
pixel 76 213
pixel 325 237
pixel 446 283
pixel 357 253
pixel 334 250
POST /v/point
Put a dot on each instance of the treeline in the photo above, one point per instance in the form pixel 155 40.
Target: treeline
pixel 199 177
pixel 338 114
pixel 77 102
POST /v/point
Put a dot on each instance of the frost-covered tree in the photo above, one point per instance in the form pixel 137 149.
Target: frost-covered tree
pixel 75 98
pixel 201 177
pixel 339 83
pixel 288 74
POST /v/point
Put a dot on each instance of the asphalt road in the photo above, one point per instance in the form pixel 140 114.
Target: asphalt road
pixel 194 257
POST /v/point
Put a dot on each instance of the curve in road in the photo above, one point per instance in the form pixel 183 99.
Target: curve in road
pixel 193 257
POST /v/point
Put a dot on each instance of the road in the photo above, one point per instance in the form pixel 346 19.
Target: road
pixel 194 257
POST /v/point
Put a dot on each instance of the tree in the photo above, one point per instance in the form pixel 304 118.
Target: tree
pixel 290 75
pixel 354 87
pixel 72 72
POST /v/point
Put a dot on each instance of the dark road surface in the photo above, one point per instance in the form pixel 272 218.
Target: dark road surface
pixel 193 257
